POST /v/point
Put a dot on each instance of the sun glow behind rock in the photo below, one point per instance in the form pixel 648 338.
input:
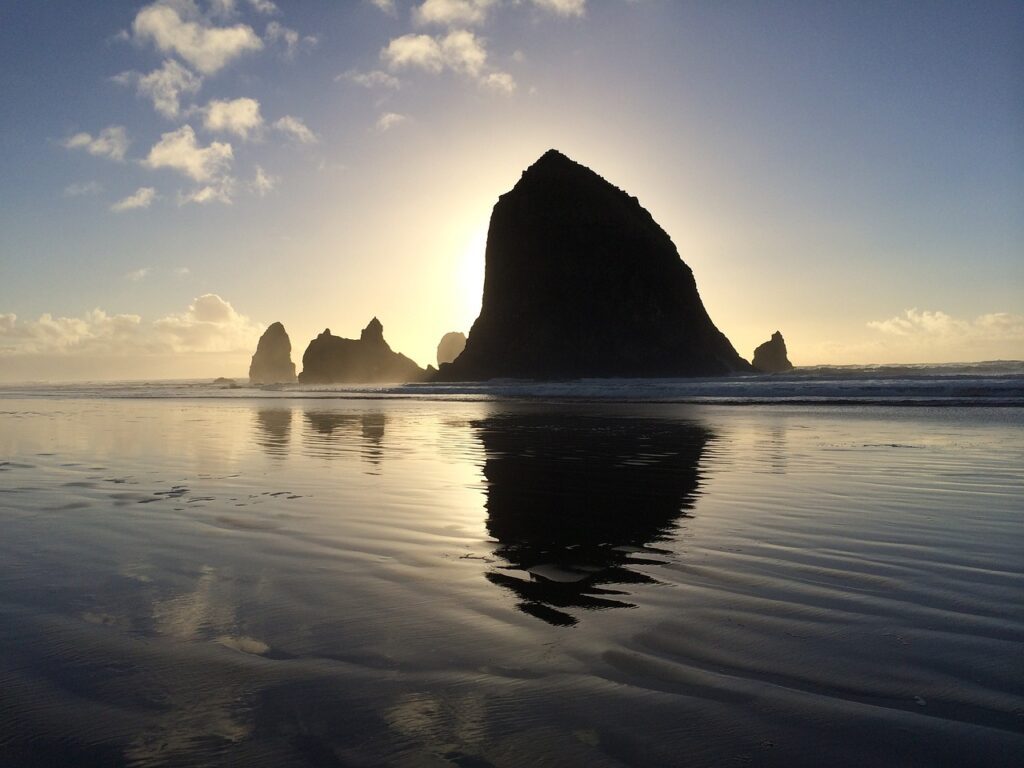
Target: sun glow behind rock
pixel 471 276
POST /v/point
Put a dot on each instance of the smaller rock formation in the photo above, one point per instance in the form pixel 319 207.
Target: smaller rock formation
pixel 226 383
pixel 770 357
pixel 272 363
pixel 450 347
pixel 367 360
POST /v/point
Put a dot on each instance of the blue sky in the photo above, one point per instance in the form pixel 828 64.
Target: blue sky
pixel 177 175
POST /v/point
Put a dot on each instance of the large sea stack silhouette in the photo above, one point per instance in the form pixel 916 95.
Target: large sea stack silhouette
pixel 367 360
pixel 580 281
pixel 272 363
pixel 770 357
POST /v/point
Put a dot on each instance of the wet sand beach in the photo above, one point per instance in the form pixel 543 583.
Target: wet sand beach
pixel 320 582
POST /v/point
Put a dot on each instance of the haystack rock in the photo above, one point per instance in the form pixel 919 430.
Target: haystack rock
pixel 450 347
pixel 272 363
pixel 770 357
pixel 580 281
pixel 367 360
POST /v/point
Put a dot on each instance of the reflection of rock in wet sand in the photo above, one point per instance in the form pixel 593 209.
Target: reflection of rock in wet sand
pixel 333 435
pixel 274 430
pixel 575 500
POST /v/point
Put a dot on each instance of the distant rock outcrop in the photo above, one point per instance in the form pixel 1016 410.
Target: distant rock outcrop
pixel 369 360
pixel 770 357
pixel 272 363
pixel 450 347
pixel 581 281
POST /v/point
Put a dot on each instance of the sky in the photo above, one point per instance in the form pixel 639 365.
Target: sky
pixel 177 175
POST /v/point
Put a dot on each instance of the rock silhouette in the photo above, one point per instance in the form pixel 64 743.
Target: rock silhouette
pixel 367 360
pixel 770 357
pixel 272 363
pixel 581 281
pixel 450 347
pixel 576 500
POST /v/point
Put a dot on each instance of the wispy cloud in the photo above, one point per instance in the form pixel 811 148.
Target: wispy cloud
pixel 164 86
pixel 266 7
pixel 222 190
pixel 80 189
pixel 263 183
pixel 178 27
pixel 388 6
pixel 374 79
pixel 936 327
pixel 180 151
pixel 294 128
pixel 111 142
pixel 289 39
pixel 143 197
pixel 563 7
pixel 389 120
pixel 137 275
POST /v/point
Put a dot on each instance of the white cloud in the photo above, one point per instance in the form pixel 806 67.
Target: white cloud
pixel 180 151
pixel 464 52
pixel 388 6
pixel 143 197
pixel 389 120
pixel 931 327
pixel 79 189
pixel 111 142
pixel 137 275
pixel 563 7
pixel 296 129
pixel 177 26
pixel 414 51
pixel 63 334
pixel 263 183
pixel 164 86
pixel 182 271
pixel 936 336
pixel 459 51
pixel 209 324
pixel 375 79
pixel 502 82
pixel 239 116
pixel 452 12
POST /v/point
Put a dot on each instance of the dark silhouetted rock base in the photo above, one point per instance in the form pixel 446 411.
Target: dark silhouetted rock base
pixel 367 360
pixel 770 357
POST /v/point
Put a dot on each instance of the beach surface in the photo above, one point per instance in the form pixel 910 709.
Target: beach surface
pixel 490 582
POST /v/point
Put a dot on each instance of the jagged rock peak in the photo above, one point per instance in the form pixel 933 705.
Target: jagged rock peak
pixel 272 363
pixel 374 331
pixel 332 359
pixel 771 357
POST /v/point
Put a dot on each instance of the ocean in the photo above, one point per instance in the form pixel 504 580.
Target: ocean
pixel 819 568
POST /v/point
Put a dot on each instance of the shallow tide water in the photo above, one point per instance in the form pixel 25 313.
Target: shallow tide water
pixel 501 583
